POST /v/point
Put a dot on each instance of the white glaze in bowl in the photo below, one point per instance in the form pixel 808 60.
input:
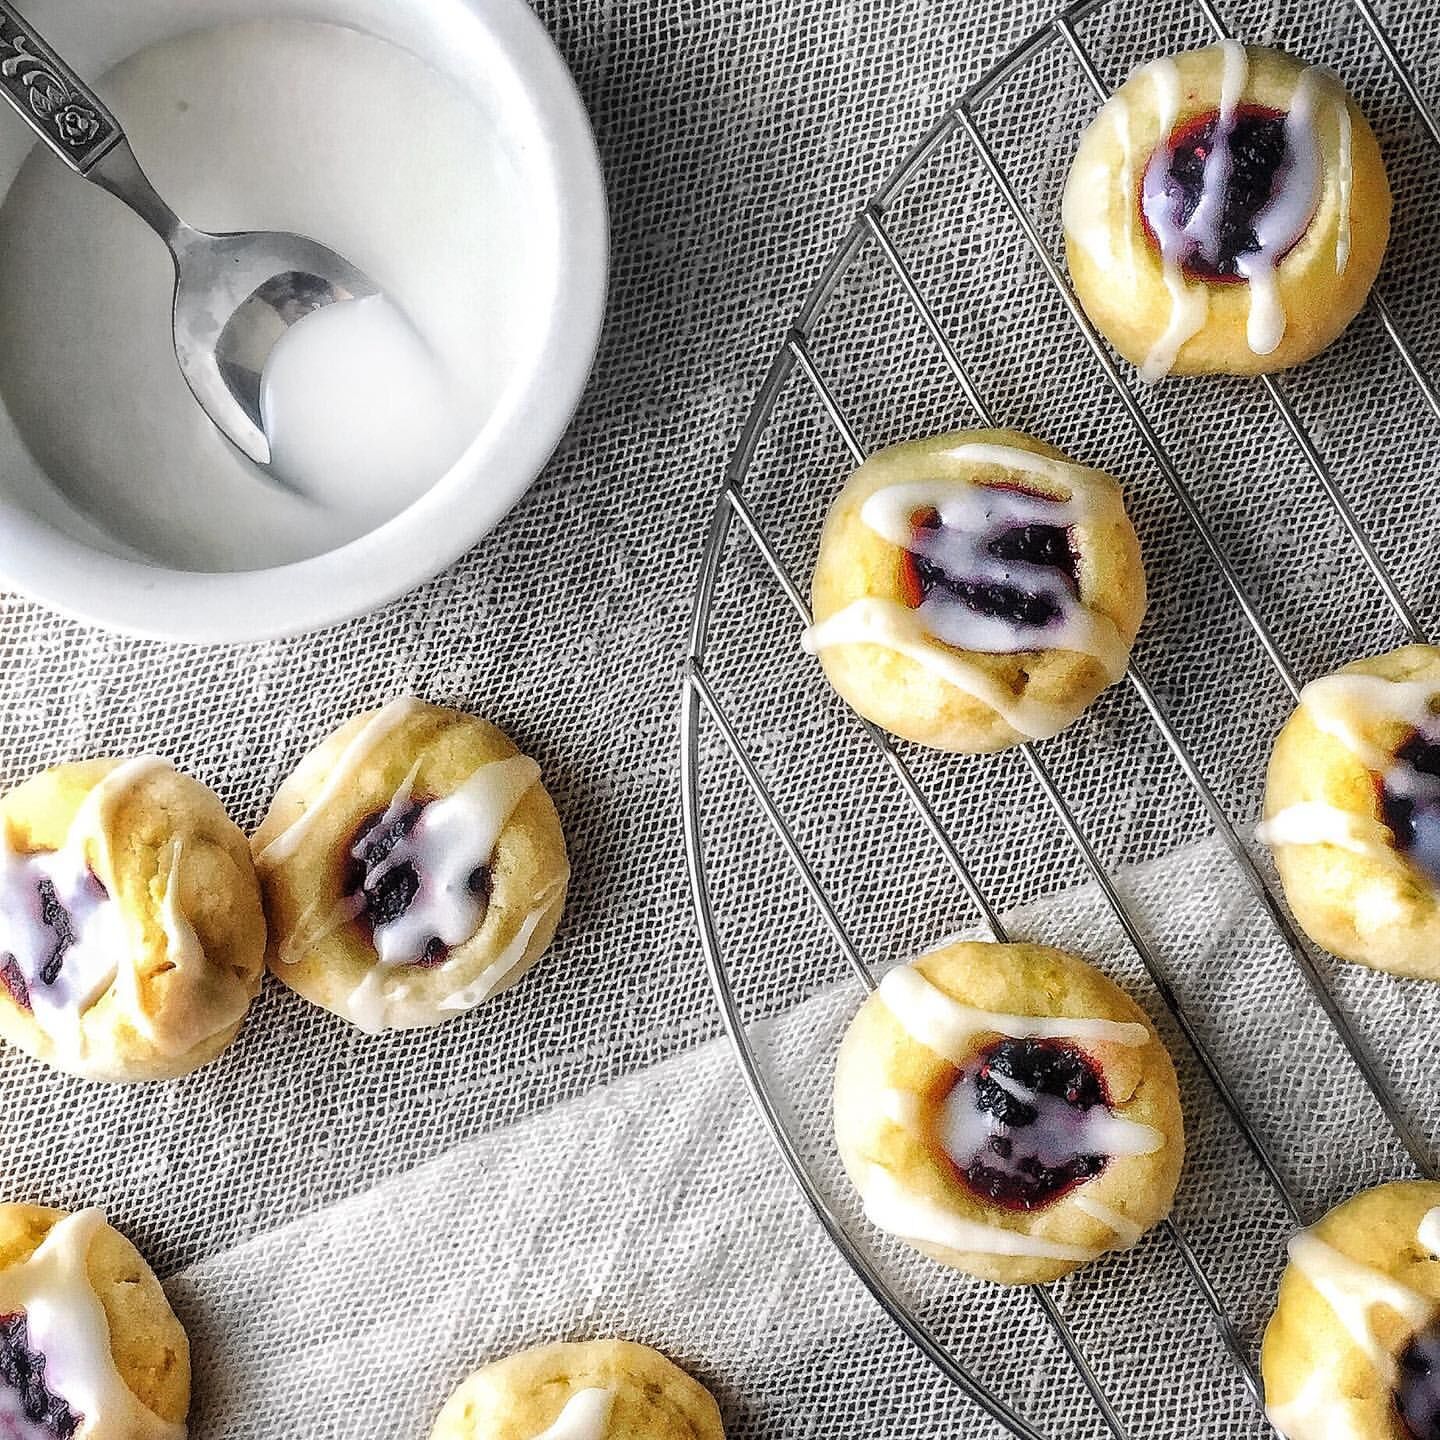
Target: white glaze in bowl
pixel 500 57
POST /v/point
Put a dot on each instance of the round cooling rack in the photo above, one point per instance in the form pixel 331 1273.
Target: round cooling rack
pixel 1280 520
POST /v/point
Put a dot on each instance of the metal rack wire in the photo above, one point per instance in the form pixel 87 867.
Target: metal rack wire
pixel 702 705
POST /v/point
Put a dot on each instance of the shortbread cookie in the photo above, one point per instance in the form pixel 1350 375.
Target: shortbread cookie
pixel 132 939
pixel 599 1390
pixel 412 865
pixel 1009 1111
pixel 1352 812
pixel 1353 1349
pixel 89 1347
pixel 975 590
pixel 1227 212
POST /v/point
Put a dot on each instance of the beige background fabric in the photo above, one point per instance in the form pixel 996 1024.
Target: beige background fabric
pixel 349 1224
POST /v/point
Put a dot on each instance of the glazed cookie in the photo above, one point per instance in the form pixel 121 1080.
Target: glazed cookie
pixel 975 590
pixel 89 1347
pixel 1352 812
pixel 1008 1111
pixel 132 939
pixel 412 867
pixel 600 1390
pixel 1227 213
pixel 1353 1349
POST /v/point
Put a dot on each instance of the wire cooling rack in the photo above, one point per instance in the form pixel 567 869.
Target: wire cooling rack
pixel 710 727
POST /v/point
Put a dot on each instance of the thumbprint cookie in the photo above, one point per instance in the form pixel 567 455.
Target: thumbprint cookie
pixel 975 590
pixel 132 938
pixel 1353 1349
pixel 598 1390
pixel 1008 1111
pixel 412 866
pixel 89 1347
pixel 1352 812
pixel 1227 212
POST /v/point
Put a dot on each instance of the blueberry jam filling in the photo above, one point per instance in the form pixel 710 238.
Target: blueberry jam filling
pixel 1259 156
pixel 1417 1389
pixel 1040 545
pixel 1410 802
pixel 1017 1122
pixel 23 1370
pixel 386 885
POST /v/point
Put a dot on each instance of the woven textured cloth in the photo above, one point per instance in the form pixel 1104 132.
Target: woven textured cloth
pixel 348 1224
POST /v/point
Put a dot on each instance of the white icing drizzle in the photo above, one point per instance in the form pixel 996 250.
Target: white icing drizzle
pixel 1277 227
pixel 453 837
pixel 1318 1411
pixel 1427 1233
pixel 1312 822
pixel 1344 707
pixel 341 776
pixel 1284 218
pixel 99 951
pixel 887 623
pixel 897 1211
pixel 1189 304
pixel 1344 181
pixel 66 1324
pixel 1125 1230
pixel 972 515
pixel 586 1416
pixel 1352 1290
pixel 947 1027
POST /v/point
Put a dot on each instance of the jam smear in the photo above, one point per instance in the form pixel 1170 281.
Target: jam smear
pixel 13 980
pixel 1417 1389
pixel 1035 544
pixel 1024 1143
pixel 23 1370
pixel 1258 155
pixel 1410 802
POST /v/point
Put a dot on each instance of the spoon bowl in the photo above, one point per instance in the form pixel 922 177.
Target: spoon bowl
pixel 235 294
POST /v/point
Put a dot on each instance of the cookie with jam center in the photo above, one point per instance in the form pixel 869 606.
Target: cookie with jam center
pixel 1352 811
pixel 1008 1111
pixel 975 590
pixel 1353 1347
pixel 594 1390
pixel 1227 212
pixel 132 938
pixel 412 866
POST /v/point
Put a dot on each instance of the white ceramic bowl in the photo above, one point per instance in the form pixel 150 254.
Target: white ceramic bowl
pixel 499 53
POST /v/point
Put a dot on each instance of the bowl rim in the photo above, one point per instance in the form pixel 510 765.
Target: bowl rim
pixel 154 601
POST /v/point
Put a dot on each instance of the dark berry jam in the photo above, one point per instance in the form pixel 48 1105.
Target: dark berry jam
pixel 1410 802
pixel 1417 1390
pixel 1258 156
pixel 386 887
pixel 23 1370
pixel 13 980
pixel 1044 546
pixel 1016 1123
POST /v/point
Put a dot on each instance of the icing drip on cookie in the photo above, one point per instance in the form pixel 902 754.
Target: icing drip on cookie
pixel 1028 1121
pixel 948 1028
pixel 1347 707
pixel 66 1339
pixel 1353 1290
pixel 586 1416
pixel 1127 1233
pixel 1428 1232
pixel 1228 195
pixel 341 778
pixel 991 570
pixel 62 936
pixel 444 848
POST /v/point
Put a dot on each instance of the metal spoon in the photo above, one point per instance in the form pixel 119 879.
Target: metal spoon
pixel 235 294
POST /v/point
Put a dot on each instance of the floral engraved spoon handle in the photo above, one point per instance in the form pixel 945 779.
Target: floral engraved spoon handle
pixel 57 105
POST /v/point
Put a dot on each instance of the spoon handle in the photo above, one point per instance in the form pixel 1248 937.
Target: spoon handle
pixel 56 104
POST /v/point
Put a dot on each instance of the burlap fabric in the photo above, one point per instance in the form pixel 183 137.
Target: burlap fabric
pixel 347 1224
